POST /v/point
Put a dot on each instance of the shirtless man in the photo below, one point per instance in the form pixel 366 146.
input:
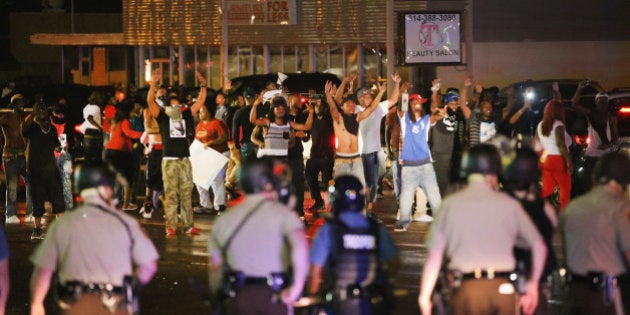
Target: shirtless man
pixel 346 126
pixel 13 158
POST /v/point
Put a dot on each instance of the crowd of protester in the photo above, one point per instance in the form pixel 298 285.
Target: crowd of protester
pixel 191 142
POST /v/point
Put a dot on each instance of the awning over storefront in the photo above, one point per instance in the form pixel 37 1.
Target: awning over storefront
pixel 76 39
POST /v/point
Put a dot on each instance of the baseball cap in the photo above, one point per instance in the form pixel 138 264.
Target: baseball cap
pixel 362 92
pixel 417 97
pixel 451 96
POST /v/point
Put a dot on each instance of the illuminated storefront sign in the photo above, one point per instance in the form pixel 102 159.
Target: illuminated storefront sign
pixel 241 12
pixel 432 37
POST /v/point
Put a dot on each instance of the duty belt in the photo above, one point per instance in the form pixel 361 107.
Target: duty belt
pixel 80 287
pixel 485 274
pixel 113 297
pixel 599 281
pixel 455 277
pixel 10 154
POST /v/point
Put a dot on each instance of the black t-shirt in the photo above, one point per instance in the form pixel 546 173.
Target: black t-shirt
pixel 297 150
pixel 323 135
pixel 176 135
pixel 41 148
pixel 241 121
pixel 445 135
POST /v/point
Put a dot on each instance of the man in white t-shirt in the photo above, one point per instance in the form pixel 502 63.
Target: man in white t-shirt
pixel 370 131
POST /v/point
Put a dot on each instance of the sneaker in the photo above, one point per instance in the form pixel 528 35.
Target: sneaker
pixel 13 219
pixel 147 211
pixel 29 218
pixel 399 228
pixel 171 232
pixel 232 193
pixel 193 231
pixel 221 209
pixel 373 216
pixel 38 234
pixel 423 218
pixel 130 207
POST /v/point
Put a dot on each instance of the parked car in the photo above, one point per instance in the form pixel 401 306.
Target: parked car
pixel 295 83
pixel 619 108
pixel 543 92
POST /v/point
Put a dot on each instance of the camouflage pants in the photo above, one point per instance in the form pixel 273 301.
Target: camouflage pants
pixel 178 185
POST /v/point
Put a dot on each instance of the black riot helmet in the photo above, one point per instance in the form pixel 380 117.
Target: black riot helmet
pixel 346 194
pixel 612 166
pixel 483 159
pixel 94 175
pixel 522 171
pixel 257 177
pixel 282 177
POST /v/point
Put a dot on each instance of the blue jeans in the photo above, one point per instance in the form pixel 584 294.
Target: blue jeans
pixel 370 169
pixel 395 168
pixel 422 176
pixel 14 168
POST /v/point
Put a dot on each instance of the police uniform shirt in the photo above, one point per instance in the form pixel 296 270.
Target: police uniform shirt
pixel 322 244
pixel 596 230
pixel 477 227
pixel 258 248
pixel 91 246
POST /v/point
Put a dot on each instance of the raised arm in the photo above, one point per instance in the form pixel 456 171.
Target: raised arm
pixel 577 105
pixel 309 120
pixel 382 87
pixel 203 92
pixel 393 99
pixel 349 80
pixel 329 90
pixel 511 100
pixel 556 91
pixel 463 100
pixel 154 108
pixel 253 114
pixel 476 99
pixel 435 93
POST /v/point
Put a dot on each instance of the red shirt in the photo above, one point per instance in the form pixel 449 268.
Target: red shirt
pixel 212 129
pixel 121 137
pixel 108 115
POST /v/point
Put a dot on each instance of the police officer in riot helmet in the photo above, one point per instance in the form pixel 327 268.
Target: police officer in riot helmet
pixel 477 229
pixel 250 244
pixel 596 229
pixel 352 254
pixel 121 257
pixel 521 180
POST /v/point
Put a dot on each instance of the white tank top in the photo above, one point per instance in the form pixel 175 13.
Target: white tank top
pixel 277 140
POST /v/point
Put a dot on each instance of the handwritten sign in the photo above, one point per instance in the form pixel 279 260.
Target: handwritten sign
pixel 432 37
